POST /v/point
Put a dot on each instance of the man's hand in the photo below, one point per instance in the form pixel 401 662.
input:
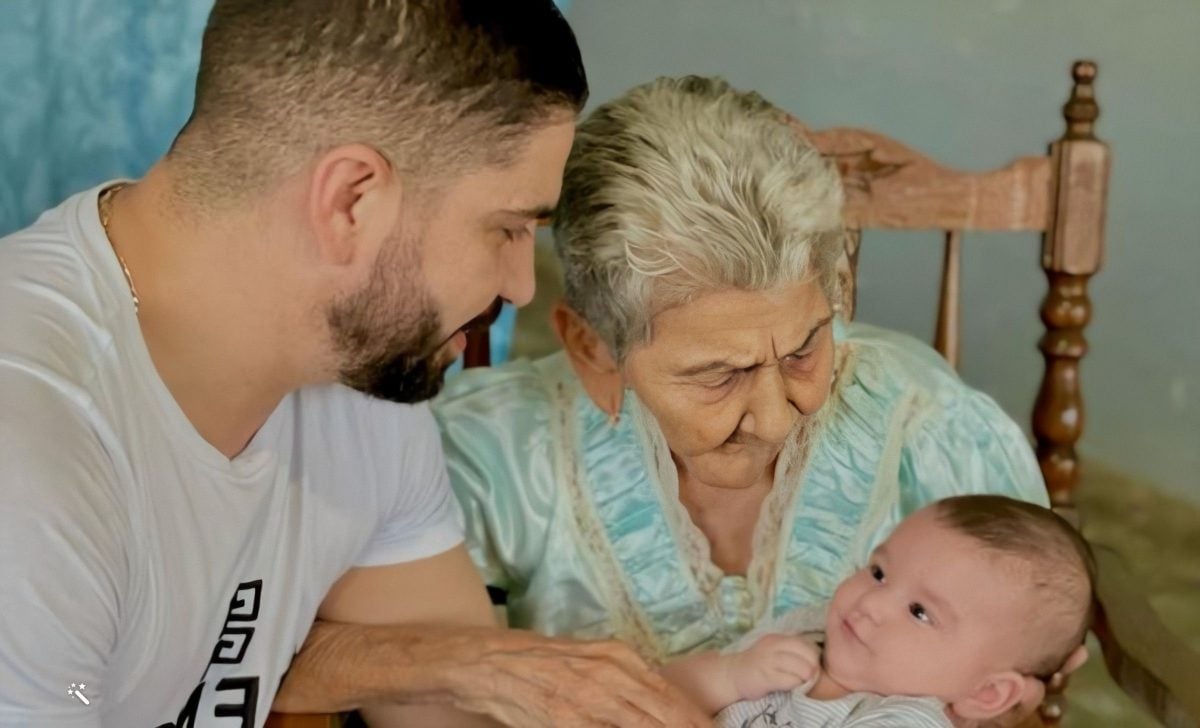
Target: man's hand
pixel 415 644
pixel 514 677
pixel 775 662
pixel 522 679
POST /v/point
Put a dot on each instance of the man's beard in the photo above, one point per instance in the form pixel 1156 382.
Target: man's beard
pixel 388 334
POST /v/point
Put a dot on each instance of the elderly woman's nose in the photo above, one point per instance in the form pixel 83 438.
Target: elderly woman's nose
pixel 770 414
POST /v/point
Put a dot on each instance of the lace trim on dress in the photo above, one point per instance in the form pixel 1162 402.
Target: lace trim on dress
pixel 778 510
pixel 629 622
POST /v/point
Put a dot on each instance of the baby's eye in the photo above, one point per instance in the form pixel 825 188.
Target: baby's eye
pixel 918 612
pixel 876 573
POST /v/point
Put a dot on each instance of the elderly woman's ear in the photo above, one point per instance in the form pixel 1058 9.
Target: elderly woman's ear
pixel 591 359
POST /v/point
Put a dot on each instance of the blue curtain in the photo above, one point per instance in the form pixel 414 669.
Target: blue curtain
pixel 96 89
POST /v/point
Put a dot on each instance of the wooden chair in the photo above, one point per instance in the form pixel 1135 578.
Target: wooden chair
pixel 1062 195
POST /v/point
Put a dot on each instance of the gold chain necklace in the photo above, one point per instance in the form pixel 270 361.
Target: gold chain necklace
pixel 105 207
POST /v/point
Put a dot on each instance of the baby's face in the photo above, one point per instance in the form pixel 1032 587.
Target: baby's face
pixel 932 613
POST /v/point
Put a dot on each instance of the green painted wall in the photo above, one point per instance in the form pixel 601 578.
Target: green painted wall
pixel 975 83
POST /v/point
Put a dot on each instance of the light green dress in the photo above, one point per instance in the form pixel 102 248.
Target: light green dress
pixel 580 522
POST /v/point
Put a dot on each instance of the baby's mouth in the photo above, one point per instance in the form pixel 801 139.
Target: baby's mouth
pixel 849 629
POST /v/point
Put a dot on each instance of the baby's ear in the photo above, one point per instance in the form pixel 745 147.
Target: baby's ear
pixel 995 695
pixel 1075 660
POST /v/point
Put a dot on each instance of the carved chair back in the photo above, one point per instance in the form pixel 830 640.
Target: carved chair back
pixel 1061 195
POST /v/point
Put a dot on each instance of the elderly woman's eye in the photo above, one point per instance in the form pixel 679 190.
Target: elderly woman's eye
pixel 800 362
pixel 919 613
pixel 722 381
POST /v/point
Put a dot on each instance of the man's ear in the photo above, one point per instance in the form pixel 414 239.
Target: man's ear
pixel 349 208
pixel 590 357
pixel 997 694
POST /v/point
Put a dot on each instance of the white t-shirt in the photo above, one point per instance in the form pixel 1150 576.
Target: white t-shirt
pixel 140 570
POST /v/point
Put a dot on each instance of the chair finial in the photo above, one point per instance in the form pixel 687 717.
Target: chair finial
pixel 1081 109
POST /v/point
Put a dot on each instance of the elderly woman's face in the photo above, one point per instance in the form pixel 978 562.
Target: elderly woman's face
pixel 728 375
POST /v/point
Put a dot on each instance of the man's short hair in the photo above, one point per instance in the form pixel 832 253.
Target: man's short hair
pixel 436 86
pixel 1063 569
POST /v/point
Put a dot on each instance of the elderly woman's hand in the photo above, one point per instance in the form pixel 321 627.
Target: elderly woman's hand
pixel 521 679
pixel 1025 713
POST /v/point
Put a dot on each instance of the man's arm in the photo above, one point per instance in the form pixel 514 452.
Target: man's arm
pixel 63 559
pixel 415 643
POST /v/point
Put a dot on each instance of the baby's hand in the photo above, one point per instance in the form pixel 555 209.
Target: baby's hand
pixel 775 662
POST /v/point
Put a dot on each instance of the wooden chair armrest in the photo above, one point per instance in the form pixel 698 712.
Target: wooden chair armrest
pixel 1152 665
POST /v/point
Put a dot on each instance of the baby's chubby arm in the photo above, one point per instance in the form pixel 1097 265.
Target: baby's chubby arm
pixel 713 680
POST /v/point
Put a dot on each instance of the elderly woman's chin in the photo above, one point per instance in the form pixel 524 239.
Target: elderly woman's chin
pixel 731 466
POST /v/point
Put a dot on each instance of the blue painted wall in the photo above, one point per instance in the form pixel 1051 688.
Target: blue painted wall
pixel 89 90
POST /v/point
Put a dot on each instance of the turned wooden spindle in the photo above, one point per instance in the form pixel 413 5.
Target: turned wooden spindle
pixel 1072 250
pixel 947 337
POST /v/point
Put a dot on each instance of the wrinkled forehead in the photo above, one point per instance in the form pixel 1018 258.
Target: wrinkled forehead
pixel 740 327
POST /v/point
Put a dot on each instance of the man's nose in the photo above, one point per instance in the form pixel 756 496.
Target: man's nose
pixel 770 415
pixel 518 285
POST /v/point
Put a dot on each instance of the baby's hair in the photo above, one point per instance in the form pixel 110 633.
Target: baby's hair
pixel 1063 567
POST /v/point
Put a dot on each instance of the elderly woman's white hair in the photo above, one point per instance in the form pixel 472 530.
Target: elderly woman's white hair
pixel 685 186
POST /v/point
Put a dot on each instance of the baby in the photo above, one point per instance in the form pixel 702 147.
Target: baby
pixel 952 622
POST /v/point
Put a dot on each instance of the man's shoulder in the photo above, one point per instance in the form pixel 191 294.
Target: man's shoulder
pixel 345 434
pixel 59 316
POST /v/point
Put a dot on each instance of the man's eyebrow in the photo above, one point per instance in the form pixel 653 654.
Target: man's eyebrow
pixel 718 365
pixel 530 213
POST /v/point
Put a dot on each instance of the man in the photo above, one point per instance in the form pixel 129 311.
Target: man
pixel 187 476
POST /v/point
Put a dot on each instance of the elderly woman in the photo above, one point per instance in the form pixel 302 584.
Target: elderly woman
pixel 714 445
